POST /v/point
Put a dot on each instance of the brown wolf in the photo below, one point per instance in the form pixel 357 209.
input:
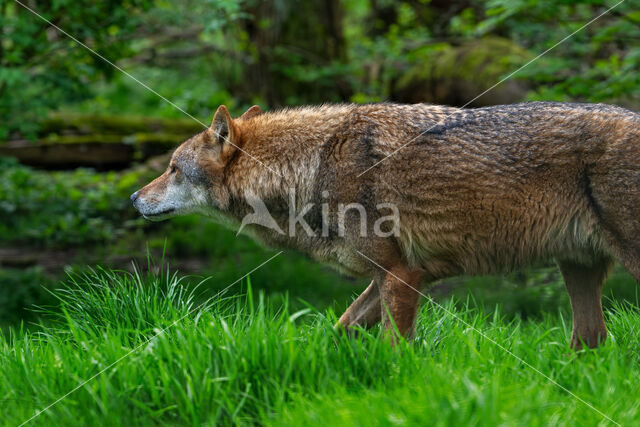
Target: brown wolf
pixel 476 191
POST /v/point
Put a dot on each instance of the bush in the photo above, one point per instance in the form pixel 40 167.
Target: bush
pixel 53 209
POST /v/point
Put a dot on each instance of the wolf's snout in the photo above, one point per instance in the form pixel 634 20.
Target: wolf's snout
pixel 134 196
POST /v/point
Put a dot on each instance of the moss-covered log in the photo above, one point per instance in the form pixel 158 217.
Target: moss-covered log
pixel 99 141
pixel 454 75
pixel 89 124
pixel 98 151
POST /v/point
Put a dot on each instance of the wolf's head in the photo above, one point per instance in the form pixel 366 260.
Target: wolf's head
pixel 193 182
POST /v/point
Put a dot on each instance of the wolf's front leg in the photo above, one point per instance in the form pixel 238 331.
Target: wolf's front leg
pixel 399 292
pixel 364 311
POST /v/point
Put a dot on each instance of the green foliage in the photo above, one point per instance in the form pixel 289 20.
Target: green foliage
pixel 20 291
pixel 239 361
pixel 192 52
pixel 595 64
pixel 40 68
pixel 195 94
pixel 62 208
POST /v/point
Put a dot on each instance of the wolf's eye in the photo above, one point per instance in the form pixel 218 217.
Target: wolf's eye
pixel 174 169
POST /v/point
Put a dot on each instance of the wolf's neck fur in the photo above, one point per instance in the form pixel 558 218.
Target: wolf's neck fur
pixel 282 149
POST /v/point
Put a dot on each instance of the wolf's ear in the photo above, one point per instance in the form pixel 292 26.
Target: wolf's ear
pixel 251 112
pixel 224 131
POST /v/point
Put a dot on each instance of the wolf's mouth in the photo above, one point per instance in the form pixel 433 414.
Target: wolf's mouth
pixel 157 214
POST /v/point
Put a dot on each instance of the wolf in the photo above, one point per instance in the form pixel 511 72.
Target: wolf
pixel 477 191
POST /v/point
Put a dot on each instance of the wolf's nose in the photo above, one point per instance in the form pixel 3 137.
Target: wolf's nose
pixel 134 196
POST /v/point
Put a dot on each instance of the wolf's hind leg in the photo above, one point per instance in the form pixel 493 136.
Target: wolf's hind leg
pixel 584 284
pixel 399 296
pixel 364 311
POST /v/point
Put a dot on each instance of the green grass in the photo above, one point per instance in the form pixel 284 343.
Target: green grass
pixel 244 360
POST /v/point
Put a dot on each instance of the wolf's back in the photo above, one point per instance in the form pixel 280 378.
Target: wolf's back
pixel 496 188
